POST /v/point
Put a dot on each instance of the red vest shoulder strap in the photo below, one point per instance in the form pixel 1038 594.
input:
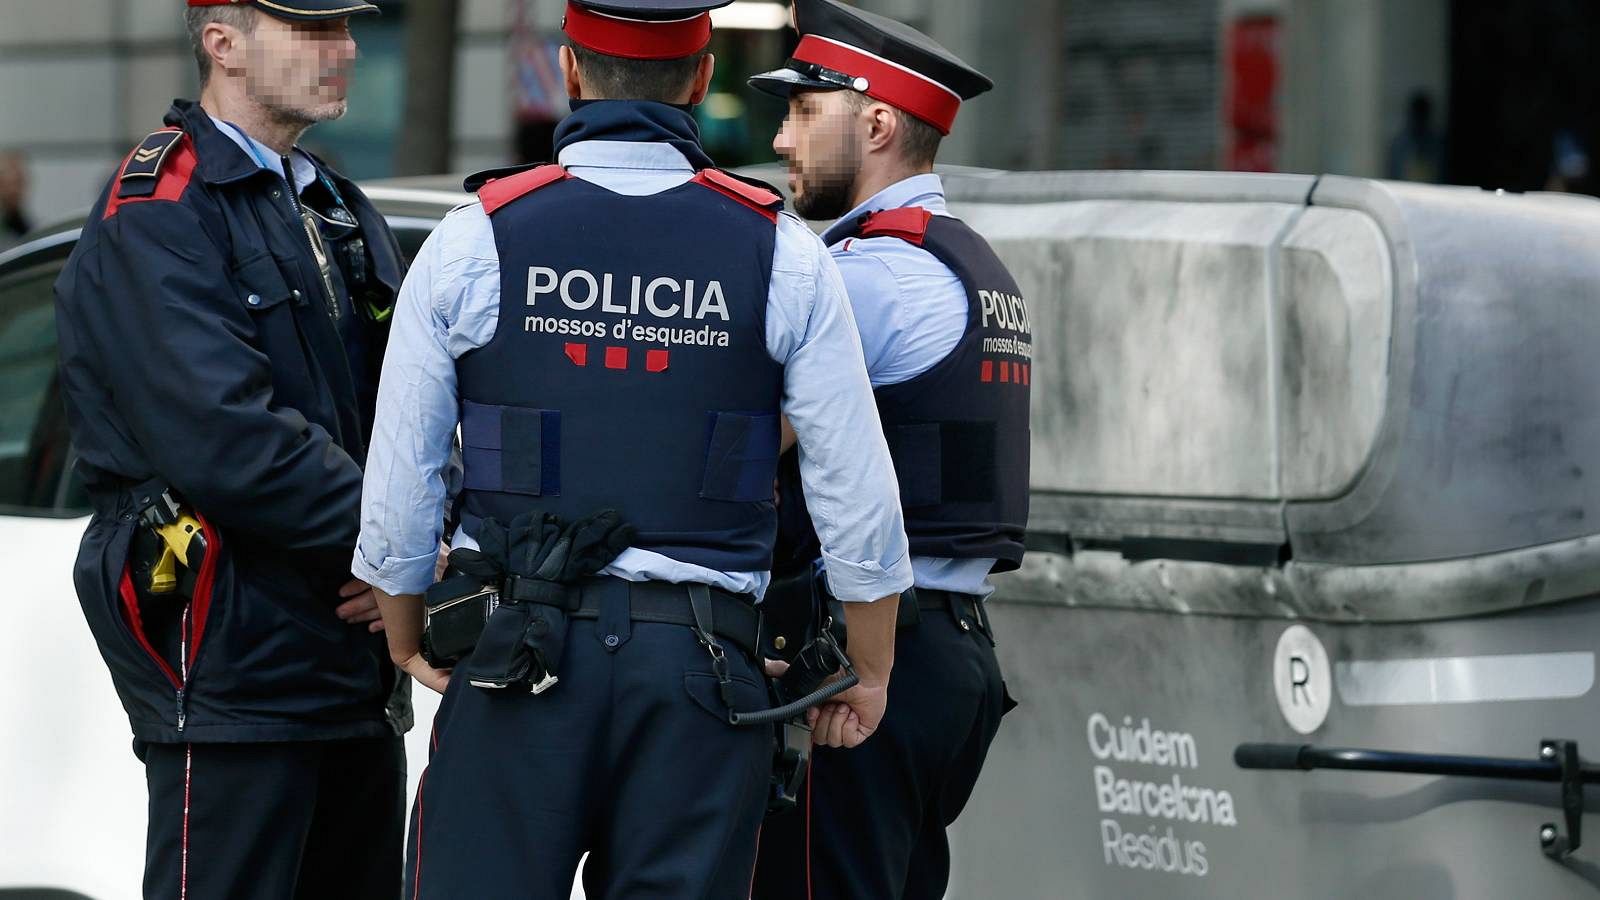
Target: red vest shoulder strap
pixel 500 191
pixel 758 198
pixel 908 223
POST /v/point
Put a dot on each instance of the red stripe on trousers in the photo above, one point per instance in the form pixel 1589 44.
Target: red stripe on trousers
pixel 416 875
pixel 183 872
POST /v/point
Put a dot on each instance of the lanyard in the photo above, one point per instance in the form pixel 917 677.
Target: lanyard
pixel 288 174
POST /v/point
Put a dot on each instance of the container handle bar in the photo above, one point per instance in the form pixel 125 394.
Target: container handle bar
pixel 1558 762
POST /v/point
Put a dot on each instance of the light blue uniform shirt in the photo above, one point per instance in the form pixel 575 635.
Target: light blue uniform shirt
pixel 911 311
pixel 450 304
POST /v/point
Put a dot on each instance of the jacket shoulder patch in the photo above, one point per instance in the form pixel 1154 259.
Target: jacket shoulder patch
pixel 160 168
pixel 762 199
pixel 143 168
pixel 908 223
pixel 497 192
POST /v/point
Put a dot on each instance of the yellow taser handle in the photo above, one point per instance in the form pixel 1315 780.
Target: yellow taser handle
pixel 179 538
pixel 164 574
pixel 182 538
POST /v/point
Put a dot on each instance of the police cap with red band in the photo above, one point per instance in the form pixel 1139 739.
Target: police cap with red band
pixel 641 29
pixel 299 10
pixel 846 48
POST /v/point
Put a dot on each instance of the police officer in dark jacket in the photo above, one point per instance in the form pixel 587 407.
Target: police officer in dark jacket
pixel 949 349
pixel 222 320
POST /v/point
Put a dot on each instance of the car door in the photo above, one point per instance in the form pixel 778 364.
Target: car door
pixel 73 818
pixel 73 781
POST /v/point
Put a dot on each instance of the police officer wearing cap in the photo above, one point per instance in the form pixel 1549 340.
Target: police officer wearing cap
pixel 623 330
pixel 221 322
pixel 948 347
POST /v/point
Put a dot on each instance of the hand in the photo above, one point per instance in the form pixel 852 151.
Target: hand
pixel 360 605
pixel 442 563
pixel 435 680
pixel 404 616
pixel 850 718
pixel 775 668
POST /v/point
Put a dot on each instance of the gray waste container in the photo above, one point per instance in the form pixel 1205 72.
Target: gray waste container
pixel 1314 461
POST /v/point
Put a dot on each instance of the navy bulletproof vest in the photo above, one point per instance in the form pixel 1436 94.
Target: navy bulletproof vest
pixel 629 368
pixel 958 432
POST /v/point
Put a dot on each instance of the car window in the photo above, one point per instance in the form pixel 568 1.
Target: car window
pixel 35 449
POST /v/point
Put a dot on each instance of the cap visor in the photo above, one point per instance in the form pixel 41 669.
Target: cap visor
pixel 289 10
pixel 780 82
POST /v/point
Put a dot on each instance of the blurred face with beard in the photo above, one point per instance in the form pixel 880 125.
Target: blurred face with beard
pixel 821 140
pixel 299 72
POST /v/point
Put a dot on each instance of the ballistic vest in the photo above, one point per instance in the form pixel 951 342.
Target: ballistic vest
pixel 958 432
pixel 629 368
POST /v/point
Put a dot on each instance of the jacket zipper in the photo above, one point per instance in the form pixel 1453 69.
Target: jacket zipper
pixel 183 664
pixel 319 251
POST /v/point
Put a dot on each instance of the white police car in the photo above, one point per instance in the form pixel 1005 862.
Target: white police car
pixel 72 813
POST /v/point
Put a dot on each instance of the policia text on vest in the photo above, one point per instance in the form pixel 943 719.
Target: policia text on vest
pixel 662 299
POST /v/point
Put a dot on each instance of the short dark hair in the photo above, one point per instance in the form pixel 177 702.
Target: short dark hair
pixel 919 141
pixel 615 78
pixel 195 20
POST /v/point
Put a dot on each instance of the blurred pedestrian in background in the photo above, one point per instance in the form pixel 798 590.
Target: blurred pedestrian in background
pixel 14 221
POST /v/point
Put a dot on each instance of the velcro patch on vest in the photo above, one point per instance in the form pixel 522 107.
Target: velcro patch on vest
pixel 741 457
pixel 143 170
pixel 511 449
pixel 945 462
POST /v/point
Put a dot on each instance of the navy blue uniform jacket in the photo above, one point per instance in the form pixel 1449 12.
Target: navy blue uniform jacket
pixel 196 349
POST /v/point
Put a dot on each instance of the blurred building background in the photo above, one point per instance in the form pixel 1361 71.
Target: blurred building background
pixel 1498 95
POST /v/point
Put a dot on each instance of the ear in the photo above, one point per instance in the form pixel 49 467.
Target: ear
pixel 569 72
pixel 882 127
pixel 225 45
pixel 702 79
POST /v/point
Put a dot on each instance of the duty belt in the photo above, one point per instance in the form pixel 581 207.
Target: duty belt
pixel 965 609
pixel 736 618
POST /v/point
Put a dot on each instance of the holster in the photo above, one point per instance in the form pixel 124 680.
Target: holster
pixel 160 614
pixel 790 760
pixel 457 609
pixel 803 625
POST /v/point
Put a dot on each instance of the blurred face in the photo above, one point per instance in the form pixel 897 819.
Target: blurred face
pixel 821 141
pixel 299 71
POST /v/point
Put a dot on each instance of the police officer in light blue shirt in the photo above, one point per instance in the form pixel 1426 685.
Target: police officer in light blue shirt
pixel 948 347
pixel 623 330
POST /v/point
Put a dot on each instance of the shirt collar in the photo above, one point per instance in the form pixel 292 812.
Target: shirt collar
pixel 624 155
pixel 305 171
pixel 926 191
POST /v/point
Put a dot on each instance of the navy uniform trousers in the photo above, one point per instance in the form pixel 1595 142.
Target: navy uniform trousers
pixel 628 757
pixel 293 820
pixel 871 820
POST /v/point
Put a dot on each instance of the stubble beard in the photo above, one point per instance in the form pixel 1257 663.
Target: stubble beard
pixel 826 192
pixel 303 117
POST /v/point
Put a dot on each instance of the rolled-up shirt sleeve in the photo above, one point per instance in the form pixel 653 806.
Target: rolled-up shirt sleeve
pixel 404 491
pixel 845 469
